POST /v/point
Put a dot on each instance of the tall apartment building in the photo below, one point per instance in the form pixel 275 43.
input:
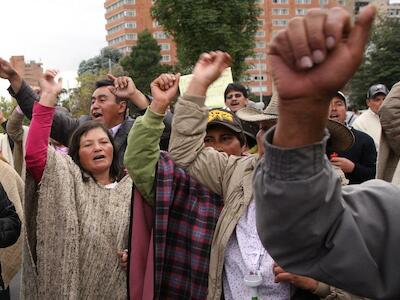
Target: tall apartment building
pixel 126 18
pixel 31 71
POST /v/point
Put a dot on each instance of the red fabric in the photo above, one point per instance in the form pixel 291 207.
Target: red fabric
pixel 141 262
pixel 38 139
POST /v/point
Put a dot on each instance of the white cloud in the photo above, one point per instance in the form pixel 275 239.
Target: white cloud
pixel 58 33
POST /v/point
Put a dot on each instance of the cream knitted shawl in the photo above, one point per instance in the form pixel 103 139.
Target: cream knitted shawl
pixel 73 232
pixel 10 257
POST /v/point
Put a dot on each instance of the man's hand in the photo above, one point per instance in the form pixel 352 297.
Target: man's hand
pixel 302 282
pixel 124 87
pixel 163 90
pixel 345 164
pixel 9 73
pixel 207 69
pixel 310 60
pixel 317 54
pixel 50 88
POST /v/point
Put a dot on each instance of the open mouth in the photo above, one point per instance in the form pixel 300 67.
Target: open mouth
pixel 96 114
pixel 333 116
pixel 99 157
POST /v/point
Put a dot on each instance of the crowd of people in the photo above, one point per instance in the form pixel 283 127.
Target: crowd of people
pixel 188 202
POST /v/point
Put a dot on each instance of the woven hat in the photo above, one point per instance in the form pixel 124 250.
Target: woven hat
pixel 341 137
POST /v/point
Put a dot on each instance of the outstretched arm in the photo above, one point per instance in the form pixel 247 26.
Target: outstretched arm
pixel 348 237
pixel 39 131
pixel 186 146
pixel 143 151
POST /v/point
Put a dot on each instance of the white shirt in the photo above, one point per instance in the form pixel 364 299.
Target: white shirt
pixel 114 130
pixel 369 123
pixel 245 254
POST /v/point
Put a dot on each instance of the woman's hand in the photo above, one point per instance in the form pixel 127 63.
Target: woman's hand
pixel 50 89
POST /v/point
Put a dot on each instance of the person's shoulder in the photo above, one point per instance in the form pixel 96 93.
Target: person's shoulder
pixel 360 135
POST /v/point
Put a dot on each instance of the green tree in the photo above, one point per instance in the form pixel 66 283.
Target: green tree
pixel 206 25
pixel 100 62
pixel 143 63
pixel 380 63
pixel 79 99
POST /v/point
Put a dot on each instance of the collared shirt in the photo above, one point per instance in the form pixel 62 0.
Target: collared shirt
pixel 115 129
pixel 244 255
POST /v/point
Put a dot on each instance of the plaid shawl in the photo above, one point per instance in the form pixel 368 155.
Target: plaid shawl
pixel 186 216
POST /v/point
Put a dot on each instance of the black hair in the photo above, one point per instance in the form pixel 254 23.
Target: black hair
pixel 74 146
pixel 107 82
pixel 236 86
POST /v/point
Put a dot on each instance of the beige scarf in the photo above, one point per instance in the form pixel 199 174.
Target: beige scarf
pixel 10 257
pixel 73 231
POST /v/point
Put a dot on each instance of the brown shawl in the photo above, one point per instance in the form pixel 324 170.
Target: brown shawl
pixel 73 232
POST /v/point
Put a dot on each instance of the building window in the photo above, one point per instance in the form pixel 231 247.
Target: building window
pixel 130 25
pixel 115 5
pixel 125 13
pixel 260 33
pixel 301 11
pixel 131 36
pixel 165 58
pixel 259 1
pixel 257 89
pixel 160 35
pixel 280 11
pixel 117 40
pixel 156 24
pixel 260 44
pixel 165 46
pixel 260 23
pixel 279 22
pixel 303 1
pixel 280 1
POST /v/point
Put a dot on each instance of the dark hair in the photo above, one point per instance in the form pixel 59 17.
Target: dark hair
pixel 106 82
pixel 236 86
pixel 74 146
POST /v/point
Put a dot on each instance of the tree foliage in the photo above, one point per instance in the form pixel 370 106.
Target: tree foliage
pixel 78 101
pixel 381 60
pixel 143 63
pixel 95 64
pixel 206 25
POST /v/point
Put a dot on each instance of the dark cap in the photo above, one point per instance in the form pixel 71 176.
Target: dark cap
pixel 340 95
pixel 220 116
pixel 377 89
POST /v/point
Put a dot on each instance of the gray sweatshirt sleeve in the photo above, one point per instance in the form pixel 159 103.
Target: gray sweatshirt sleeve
pixel 347 237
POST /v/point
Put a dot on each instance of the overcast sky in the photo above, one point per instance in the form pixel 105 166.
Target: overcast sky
pixel 59 33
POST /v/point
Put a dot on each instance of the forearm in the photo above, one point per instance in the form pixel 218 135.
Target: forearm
pixel 16 82
pixel 139 99
pixel 38 139
pixel 297 127
pixel 143 151
pixel 14 126
pixel 25 97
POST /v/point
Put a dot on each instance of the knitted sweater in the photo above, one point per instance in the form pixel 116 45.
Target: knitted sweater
pixel 73 231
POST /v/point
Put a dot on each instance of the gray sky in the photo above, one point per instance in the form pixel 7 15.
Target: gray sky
pixel 59 33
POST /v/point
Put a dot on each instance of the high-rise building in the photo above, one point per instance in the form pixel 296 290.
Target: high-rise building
pixel 126 18
pixel 31 71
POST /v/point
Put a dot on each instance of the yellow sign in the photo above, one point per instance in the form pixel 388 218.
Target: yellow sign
pixel 215 92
